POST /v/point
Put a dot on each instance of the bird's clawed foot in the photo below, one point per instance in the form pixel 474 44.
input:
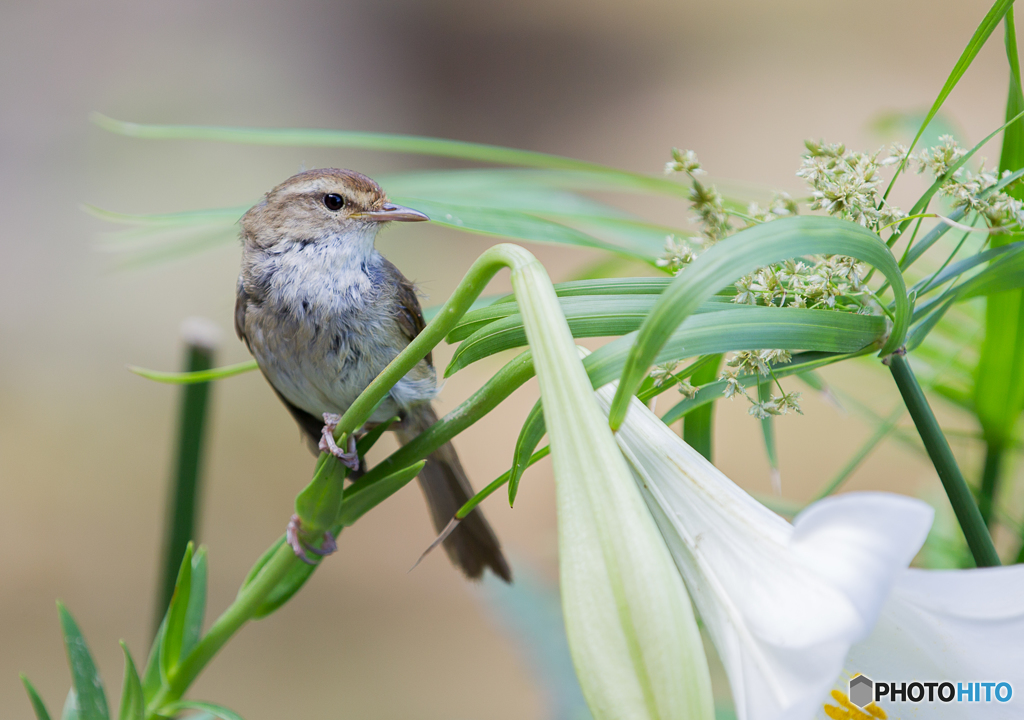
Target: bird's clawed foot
pixel 329 544
pixel 328 445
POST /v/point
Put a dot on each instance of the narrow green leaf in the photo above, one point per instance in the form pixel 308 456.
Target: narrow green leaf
pixel 1003 274
pixel 764 394
pixel 600 316
pixel 957 269
pixel 38 706
pixel 698 424
pixel 370 439
pixel 918 249
pixel 920 331
pixel 133 702
pixel 361 497
pixel 389 143
pixel 922 203
pixel 516 372
pixel 1012 155
pixel 999 383
pixel 603 286
pixel 470 504
pixel 186 378
pixel 189 218
pixel 740 254
pixel 529 438
pixel 216 710
pixel 981 34
pixel 532 228
pixel 152 680
pixel 171 645
pixel 91 701
pixel 196 611
pixel 597 315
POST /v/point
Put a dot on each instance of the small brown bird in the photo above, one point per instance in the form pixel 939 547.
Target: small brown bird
pixel 323 313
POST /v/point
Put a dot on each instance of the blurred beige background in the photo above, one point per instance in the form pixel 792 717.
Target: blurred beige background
pixel 84 445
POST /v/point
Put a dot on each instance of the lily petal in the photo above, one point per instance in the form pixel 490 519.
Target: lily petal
pixel 783 603
pixel 957 626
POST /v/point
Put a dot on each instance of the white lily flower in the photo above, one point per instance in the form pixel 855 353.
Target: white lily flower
pixel 630 625
pixel 956 626
pixel 783 603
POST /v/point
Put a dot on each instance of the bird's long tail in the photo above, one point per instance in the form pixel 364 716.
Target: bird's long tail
pixel 472 546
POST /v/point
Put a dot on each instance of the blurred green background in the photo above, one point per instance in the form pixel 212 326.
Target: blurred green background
pixel 85 446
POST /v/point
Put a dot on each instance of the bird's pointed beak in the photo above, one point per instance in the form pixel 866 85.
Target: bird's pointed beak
pixel 389 212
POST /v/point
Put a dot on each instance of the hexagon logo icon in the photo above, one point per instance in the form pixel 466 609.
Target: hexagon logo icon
pixel 861 690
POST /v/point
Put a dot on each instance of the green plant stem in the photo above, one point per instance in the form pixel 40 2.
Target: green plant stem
pixel 181 521
pixel 481 272
pixel 960 497
pixel 698 424
pixel 252 595
pixel 237 614
pixel 990 479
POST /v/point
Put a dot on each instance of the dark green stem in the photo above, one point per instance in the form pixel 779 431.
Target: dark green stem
pixel 960 497
pixel 698 423
pixel 990 480
pixel 181 519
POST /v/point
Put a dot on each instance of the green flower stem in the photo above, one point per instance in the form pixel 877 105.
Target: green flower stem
pixel 181 521
pixel 512 376
pixel 237 614
pixel 481 272
pixel 960 497
pixel 990 479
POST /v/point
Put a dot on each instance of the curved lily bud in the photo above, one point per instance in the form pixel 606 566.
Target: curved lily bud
pixel 630 624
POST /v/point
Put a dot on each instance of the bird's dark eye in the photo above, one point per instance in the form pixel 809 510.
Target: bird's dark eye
pixel 334 201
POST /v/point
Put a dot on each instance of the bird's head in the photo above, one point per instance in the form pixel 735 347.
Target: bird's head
pixel 321 205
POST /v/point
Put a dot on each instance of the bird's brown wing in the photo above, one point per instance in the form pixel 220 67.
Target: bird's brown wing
pixel 409 314
pixel 310 425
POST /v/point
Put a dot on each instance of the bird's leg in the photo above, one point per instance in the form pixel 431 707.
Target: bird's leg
pixel 327 443
pixel 292 536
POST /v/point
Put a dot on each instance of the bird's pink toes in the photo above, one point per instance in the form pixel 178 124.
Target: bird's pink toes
pixel 327 443
pixel 329 544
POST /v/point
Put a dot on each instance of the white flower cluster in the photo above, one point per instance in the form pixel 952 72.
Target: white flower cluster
pixel 817 283
pixel 706 201
pixel 845 183
pixel 968 190
pixel 781 205
pixel 760 362
pixel 665 372
pixel 678 255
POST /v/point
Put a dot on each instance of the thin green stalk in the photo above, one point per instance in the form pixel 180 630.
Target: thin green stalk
pixel 990 479
pixel 698 424
pixel 960 497
pixel 181 521
pixel 237 614
pixel 481 272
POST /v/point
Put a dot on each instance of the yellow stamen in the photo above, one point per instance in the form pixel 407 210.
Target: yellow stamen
pixel 848 711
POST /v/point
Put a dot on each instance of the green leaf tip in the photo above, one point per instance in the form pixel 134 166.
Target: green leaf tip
pixel 133 702
pixel 90 701
pixel 38 707
pixel 199 376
